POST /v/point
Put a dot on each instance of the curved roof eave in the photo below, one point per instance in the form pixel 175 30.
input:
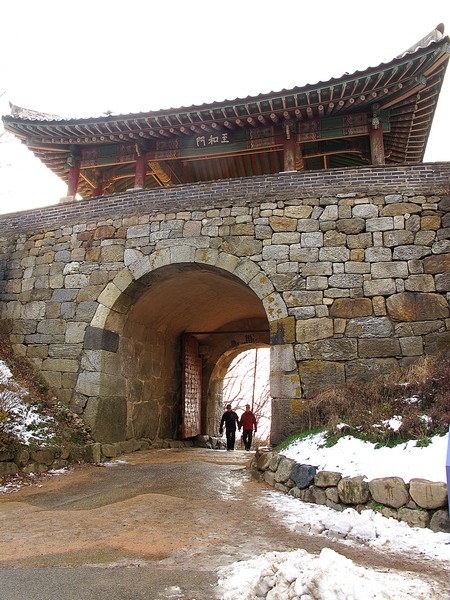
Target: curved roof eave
pixel 41 119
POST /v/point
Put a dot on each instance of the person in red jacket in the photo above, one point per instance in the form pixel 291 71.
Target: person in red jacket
pixel 247 422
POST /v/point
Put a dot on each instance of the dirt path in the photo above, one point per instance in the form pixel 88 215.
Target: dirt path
pixel 153 525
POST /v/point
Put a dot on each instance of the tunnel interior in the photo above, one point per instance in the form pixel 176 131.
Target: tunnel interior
pixel 216 309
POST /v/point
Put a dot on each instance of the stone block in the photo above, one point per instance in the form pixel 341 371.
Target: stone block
pixel 8 468
pixel 371 368
pixel 269 478
pixel 282 331
pixel 312 240
pixel 314 329
pixel 440 521
pixel 439 263
pixel 414 306
pixel 284 469
pixel 353 490
pixel 274 306
pixel 107 418
pixel 420 283
pixel 285 385
pixel 113 253
pixel 400 208
pixel 319 374
pixel 410 252
pixel 411 346
pixel 282 358
pixel 349 308
pixel 385 270
pixel 346 281
pixel 380 224
pixel 365 211
pixel 362 240
pixel 414 518
pixel 334 349
pixel 369 327
pixel 352 226
pixel 428 494
pixel 298 212
pixel 379 347
pixel 327 479
pixel 303 298
pixel 303 475
pixel 101 339
pixel 379 287
pixel 263 460
pixel 442 281
pixel 45 456
pixel 75 332
pixel 390 491
pixel 334 254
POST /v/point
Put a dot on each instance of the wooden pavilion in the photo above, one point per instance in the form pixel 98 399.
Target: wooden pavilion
pixel 381 115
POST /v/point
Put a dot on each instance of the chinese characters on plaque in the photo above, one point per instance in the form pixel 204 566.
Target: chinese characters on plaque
pixel 203 141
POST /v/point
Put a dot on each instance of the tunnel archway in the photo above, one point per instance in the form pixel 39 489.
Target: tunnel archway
pixel 216 389
pixel 136 391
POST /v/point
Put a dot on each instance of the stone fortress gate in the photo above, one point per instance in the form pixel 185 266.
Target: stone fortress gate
pixel 303 221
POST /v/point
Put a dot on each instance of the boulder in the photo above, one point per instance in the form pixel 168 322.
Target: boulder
pixel 327 479
pixel 283 472
pixel 440 521
pixel 263 460
pixel 353 490
pixel 390 491
pixel 414 518
pixel 428 494
pixel 303 475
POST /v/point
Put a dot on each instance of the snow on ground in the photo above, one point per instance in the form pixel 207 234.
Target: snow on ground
pixel 328 576
pixel 24 420
pixel 351 457
pixel 331 576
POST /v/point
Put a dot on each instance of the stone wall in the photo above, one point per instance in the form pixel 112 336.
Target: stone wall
pixel 420 503
pixel 352 269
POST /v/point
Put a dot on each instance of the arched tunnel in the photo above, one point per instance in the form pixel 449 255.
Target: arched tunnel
pixel 179 327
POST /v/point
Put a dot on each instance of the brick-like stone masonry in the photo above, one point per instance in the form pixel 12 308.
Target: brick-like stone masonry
pixel 352 266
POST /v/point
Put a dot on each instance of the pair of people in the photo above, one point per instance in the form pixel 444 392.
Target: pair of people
pixel 231 421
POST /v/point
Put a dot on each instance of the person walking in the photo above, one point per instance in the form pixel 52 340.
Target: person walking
pixel 231 421
pixel 247 422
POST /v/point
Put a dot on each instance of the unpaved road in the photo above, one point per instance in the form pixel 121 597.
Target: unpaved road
pixel 153 525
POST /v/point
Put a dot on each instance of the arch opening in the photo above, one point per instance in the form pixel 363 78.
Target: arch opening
pixel 142 390
pixel 247 381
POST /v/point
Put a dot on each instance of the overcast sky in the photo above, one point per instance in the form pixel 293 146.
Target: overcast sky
pixel 87 57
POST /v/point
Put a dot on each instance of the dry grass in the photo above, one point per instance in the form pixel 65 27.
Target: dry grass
pixel 419 402
pixel 28 386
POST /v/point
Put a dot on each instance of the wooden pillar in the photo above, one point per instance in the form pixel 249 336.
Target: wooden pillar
pixel 140 172
pixel 74 177
pixel 376 143
pixel 292 154
pixel 289 154
pixel 98 190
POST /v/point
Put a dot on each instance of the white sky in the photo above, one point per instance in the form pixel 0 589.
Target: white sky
pixel 88 57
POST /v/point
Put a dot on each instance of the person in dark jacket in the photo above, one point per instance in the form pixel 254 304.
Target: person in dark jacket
pixel 231 421
pixel 247 422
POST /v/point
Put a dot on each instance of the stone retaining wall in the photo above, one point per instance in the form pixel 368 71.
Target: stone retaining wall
pixel 420 503
pixel 351 268
pixel 27 460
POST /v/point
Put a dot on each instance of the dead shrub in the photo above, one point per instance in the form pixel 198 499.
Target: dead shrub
pixel 415 406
